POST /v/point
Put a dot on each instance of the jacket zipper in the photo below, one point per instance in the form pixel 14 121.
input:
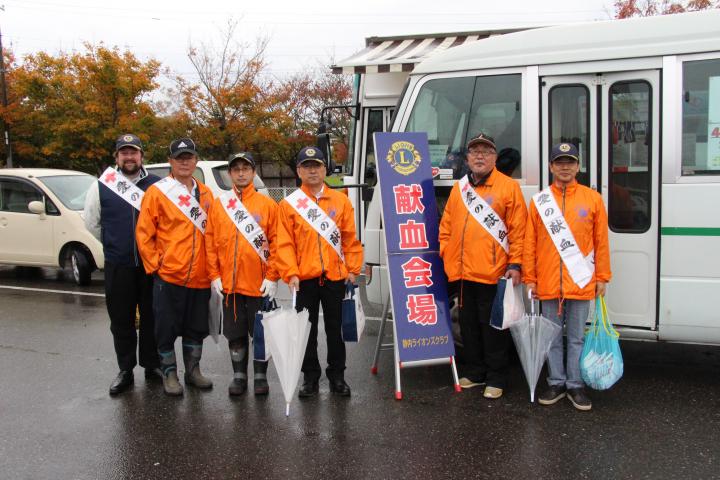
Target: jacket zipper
pixel 192 258
pixel 561 264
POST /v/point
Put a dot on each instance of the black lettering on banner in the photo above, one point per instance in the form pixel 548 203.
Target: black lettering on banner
pixel 543 198
pixel 324 226
pixel 240 216
pixel 549 211
pixel 565 244
pixel 556 226
pixel 249 228
pixel 204 223
pixel 122 186
pixel 478 208
pixel 195 213
pixel 134 196
pixel 335 237
pixel 313 214
pixel 491 220
pixel 502 234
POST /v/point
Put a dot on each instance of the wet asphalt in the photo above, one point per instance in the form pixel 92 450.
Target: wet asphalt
pixel 662 420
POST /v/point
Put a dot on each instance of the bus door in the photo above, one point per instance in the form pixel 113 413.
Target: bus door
pixel 375 119
pixel 613 118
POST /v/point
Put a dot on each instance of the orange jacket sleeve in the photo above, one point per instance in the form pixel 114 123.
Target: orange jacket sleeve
pixel 517 214
pixel 286 257
pixel 146 231
pixel 529 271
pixel 351 246
pixel 446 220
pixel 601 244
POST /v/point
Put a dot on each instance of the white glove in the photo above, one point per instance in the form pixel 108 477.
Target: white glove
pixel 268 289
pixel 217 286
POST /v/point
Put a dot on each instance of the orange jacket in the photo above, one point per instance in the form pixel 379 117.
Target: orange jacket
pixel 230 256
pixel 302 252
pixel 467 249
pixel 584 212
pixel 169 243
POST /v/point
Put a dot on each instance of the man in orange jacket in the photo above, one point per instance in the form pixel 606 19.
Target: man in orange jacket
pixel 317 254
pixel 481 235
pixel 566 264
pixel 171 242
pixel 241 241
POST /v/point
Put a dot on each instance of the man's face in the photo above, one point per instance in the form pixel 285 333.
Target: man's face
pixel 241 174
pixel 311 173
pixel 184 165
pixel 129 160
pixel 481 159
pixel 564 169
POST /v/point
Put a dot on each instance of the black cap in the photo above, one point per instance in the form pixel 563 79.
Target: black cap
pixel 128 140
pixel 564 150
pixel 482 138
pixel 246 156
pixel 308 154
pixel 182 145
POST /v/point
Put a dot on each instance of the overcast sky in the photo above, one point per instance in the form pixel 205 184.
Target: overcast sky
pixel 301 33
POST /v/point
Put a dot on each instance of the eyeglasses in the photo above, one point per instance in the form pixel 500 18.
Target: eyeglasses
pixel 243 168
pixel 485 152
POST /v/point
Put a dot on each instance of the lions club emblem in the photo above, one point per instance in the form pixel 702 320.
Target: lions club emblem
pixel 564 147
pixel 403 157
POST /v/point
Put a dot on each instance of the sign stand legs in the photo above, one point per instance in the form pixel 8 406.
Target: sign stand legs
pixel 396 354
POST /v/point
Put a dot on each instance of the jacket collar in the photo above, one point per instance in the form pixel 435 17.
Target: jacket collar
pixel 322 193
pixel 487 180
pixel 246 192
pixel 570 189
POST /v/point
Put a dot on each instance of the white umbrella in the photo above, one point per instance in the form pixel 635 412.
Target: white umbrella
pixel 215 315
pixel 533 336
pixel 288 333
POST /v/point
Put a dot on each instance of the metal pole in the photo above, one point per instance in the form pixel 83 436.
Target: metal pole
pixel 6 129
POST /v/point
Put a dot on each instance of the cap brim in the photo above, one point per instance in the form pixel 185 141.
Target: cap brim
pixel 565 155
pixel 241 159
pixel 321 162
pixel 184 150
pixel 128 145
pixel 486 142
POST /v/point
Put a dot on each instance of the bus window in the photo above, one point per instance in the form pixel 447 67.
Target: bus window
pixel 569 122
pixel 701 118
pixel 441 110
pixel 374 124
pixel 630 133
pixel 496 112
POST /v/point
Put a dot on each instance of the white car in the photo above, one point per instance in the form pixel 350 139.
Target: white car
pixel 41 221
pixel 213 173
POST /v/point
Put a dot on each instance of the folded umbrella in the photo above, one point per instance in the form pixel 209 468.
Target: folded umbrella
pixel 533 336
pixel 215 314
pixel 287 336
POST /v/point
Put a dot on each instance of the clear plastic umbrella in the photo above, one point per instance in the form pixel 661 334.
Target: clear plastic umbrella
pixel 287 337
pixel 215 315
pixel 533 336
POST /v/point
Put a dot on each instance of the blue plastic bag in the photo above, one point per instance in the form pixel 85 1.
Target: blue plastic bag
pixel 601 363
pixel 261 352
pixel 353 317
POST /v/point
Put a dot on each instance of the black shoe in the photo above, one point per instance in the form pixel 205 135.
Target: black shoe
pixel 153 374
pixel 261 386
pixel 339 387
pixel 310 388
pixel 552 394
pixel 238 386
pixel 579 399
pixel 121 383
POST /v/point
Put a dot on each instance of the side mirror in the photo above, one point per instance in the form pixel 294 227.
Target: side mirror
pixel 37 207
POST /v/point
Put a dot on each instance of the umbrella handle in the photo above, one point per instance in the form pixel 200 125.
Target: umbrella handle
pixel 532 302
pixel 294 298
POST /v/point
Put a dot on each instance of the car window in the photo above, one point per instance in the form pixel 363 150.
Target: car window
pixel 15 196
pixel 70 189
pixel 222 177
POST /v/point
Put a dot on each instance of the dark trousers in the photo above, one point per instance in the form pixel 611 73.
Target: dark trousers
pixel 485 348
pixel 179 312
pixel 128 288
pixel 239 316
pixel 330 294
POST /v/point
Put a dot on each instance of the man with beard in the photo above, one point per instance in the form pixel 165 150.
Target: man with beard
pixel 112 206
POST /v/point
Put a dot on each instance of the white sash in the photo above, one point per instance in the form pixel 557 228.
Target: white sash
pixel 124 188
pixel 318 219
pixel 246 224
pixel 580 267
pixel 184 201
pixel 483 213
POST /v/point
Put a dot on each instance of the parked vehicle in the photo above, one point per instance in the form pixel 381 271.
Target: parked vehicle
pixel 639 97
pixel 41 221
pixel 213 173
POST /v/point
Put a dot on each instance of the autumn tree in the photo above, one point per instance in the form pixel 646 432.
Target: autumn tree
pixel 66 110
pixel 648 8
pixel 233 105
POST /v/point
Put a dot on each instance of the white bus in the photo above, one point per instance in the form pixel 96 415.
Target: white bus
pixel 641 99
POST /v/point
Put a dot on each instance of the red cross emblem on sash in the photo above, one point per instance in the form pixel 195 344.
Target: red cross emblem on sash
pixel 184 200
pixel 231 203
pixel 110 177
pixel 302 203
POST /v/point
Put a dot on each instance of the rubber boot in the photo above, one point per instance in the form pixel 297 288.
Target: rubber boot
pixel 168 365
pixel 239 359
pixel 192 352
pixel 260 377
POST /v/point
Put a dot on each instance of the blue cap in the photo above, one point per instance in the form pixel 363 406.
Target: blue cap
pixel 246 156
pixel 310 153
pixel 564 150
pixel 128 140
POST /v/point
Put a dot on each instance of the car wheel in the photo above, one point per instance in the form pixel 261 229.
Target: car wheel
pixel 80 266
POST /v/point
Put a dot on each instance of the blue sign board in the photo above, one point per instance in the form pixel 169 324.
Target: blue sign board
pixel 410 219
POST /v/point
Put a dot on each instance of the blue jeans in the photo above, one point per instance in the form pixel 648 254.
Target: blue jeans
pixel 574 315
